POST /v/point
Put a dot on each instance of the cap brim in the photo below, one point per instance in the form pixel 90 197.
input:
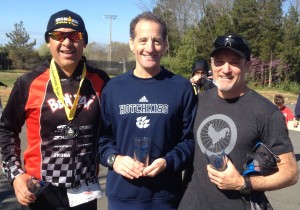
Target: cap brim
pixel 229 48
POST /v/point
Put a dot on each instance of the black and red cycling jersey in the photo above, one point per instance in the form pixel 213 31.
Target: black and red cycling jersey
pixel 50 154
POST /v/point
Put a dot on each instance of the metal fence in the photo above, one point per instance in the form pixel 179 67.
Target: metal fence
pixel 112 68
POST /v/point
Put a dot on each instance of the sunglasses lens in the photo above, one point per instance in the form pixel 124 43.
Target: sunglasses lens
pixel 56 35
pixel 60 36
pixel 75 36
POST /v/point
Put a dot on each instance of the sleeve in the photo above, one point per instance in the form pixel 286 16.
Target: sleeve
pixel 181 157
pixel 107 143
pixel 11 123
pixel 275 134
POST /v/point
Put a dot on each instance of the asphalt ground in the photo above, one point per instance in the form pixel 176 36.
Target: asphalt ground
pixel 284 199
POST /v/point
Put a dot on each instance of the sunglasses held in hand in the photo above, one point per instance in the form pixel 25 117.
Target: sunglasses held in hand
pixel 60 36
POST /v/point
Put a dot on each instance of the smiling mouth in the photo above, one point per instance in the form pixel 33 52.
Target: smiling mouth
pixel 224 77
pixel 67 51
pixel 149 56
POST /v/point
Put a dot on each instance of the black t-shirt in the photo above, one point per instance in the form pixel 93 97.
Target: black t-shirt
pixel 235 126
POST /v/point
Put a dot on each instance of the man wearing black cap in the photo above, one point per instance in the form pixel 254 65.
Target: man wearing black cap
pixel 231 119
pixel 60 103
pixel 199 78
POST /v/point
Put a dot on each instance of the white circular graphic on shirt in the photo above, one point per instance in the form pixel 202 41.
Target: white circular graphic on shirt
pixel 217 133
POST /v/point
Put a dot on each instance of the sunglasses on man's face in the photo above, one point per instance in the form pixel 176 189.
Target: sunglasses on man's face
pixel 60 36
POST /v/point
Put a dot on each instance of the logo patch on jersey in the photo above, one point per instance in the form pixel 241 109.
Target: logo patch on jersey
pixel 216 133
pixel 143 108
pixel 83 101
pixel 143 100
pixel 142 122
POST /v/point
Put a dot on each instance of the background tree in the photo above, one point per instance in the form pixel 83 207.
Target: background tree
pixel 96 51
pixel 120 51
pixel 44 52
pixel 289 47
pixel 19 48
pixel 246 22
pixel 185 55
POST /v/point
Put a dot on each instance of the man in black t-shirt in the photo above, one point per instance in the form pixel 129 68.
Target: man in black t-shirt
pixel 232 119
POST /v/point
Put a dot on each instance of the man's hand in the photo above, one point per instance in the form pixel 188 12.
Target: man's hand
pixel 195 79
pixel 296 123
pixel 128 167
pixel 24 196
pixel 155 168
pixel 230 179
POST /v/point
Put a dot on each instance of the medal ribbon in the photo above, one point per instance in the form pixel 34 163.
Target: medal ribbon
pixel 54 78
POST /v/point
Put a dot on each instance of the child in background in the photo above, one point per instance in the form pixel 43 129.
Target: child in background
pixel 279 101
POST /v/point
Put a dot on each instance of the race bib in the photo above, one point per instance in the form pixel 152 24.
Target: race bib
pixel 84 193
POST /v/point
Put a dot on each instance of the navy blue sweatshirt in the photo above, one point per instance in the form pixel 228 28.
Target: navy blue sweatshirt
pixel 161 108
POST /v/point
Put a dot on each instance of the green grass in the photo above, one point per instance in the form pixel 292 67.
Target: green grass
pixel 8 78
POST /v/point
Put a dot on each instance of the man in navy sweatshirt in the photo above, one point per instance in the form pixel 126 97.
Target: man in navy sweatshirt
pixel 147 101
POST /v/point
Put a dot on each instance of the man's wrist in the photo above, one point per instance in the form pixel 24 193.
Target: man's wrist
pixel 13 179
pixel 111 160
pixel 247 187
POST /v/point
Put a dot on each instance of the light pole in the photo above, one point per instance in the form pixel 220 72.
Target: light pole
pixel 110 17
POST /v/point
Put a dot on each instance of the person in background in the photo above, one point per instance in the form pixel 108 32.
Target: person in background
pixel 147 101
pixel 199 78
pixel 279 101
pixel 297 112
pixel 60 103
pixel 200 81
pixel 232 119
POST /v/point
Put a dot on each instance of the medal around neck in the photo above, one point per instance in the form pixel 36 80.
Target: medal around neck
pixel 57 89
pixel 70 132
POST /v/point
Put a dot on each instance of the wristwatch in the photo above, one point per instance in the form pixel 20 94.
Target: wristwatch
pixel 247 188
pixel 111 160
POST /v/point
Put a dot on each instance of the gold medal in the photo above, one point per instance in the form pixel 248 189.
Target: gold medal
pixel 54 77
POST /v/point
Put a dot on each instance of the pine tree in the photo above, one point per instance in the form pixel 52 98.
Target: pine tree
pixel 20 51
pixel 290 49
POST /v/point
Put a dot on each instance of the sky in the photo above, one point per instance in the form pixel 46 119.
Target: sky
pixel 35 15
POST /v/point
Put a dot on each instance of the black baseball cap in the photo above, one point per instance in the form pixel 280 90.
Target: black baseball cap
pixel 232 42
pixel 66 19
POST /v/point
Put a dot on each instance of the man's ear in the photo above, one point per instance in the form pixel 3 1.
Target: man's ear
pixel 131 45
